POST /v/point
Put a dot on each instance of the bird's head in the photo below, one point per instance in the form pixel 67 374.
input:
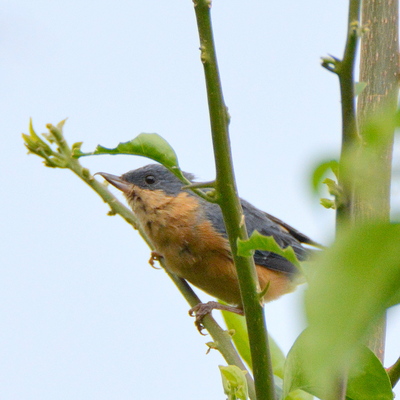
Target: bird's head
pixel 152 181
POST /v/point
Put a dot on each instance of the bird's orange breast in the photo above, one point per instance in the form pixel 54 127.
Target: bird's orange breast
pixel 192 248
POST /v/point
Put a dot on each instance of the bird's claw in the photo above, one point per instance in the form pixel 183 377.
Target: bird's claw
pixel 154 256
pixel 199 312
pixel 202 309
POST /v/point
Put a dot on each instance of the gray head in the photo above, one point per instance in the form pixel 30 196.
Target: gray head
pixel 156 177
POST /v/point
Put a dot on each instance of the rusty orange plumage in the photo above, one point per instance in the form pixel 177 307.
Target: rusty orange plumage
pixel 189 234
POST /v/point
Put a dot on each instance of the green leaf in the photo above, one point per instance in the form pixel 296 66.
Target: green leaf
pixel 356 281
pixel 234 382
pixel 320 171
pixel 150 145
pixel 299 395
pixel 359 87
pixel 30 144
pixel 55 134
pixel 266 243
pixel 294 395
pixel 237 323
pixel 35 144
pixel 295 377
pixel 367 378
pixel 328 203
pixel 76 147
pixel 333 187
pixel 46 148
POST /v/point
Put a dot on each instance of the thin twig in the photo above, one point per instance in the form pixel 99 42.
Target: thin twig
pixel 221 338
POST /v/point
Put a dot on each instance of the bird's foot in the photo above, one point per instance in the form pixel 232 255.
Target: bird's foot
pixel 154 256
pixel 202 309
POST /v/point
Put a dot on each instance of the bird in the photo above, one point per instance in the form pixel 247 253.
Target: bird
pixel 188 234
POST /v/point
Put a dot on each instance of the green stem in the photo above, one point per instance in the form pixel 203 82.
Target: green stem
pixel 366 189
pixel 350 134
pixel 347 179
pixel 228 199
pixel 220 337
pixel 394 372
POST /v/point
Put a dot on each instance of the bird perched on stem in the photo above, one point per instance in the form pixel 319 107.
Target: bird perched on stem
pixel 188 234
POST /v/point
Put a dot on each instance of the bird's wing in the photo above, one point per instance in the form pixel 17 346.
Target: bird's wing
pixel 301 237
pixel 257 220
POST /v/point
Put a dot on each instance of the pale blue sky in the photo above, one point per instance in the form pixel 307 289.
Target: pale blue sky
pixel 83 314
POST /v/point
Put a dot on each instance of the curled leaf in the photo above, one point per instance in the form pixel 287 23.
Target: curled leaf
pixel 266 243
pixel 34 143
pixel 234 382
pixel 321 170
pixel 333 187
pixel 328 203
pixel 150 145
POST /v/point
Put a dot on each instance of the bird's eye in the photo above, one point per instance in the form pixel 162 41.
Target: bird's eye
pixel 149 179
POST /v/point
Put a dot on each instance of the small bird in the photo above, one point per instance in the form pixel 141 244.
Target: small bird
pixel 188 234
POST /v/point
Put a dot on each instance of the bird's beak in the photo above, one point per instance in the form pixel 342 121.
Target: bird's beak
pixel 116 181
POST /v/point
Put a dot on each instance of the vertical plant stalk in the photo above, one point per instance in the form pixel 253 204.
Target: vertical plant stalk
pixel 379 69
pixel 228 200
pixel 350 136
pixel 351 141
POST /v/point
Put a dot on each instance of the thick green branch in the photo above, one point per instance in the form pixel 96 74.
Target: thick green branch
pixel 379 69
pixel 365 163
pixel 227 198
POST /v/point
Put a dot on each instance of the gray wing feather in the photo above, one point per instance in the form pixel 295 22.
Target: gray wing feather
pixel 257 220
